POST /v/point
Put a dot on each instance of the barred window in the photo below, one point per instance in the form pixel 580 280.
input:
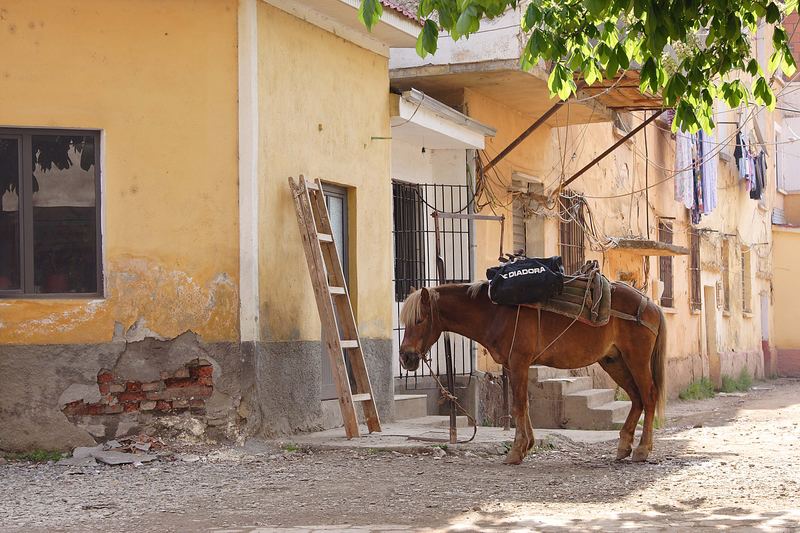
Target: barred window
pixel 726 274
pixel 695 292
pixel 665 264
pixel 747 290
pixel 571 234
pixel 409 248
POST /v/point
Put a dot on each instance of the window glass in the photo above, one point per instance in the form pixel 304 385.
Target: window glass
pixel 64 214
pixel 10 278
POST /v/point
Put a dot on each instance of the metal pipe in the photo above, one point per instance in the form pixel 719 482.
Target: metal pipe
pixel 522 136
pixel 613 147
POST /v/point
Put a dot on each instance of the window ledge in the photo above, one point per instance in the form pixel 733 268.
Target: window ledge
pixel 726 313
pixel 695 311
pixel 669 310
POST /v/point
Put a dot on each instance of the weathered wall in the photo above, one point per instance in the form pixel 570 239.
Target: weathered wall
pixel 786 271
pixel 615 191
pixel 160 103
pixel 322 100
pixel 159 80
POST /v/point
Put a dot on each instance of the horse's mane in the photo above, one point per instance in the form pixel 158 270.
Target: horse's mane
pixel 475 288
pixel 411 312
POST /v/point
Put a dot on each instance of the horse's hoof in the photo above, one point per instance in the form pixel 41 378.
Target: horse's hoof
pixel 513 458
pixel 640 455
pixel 622 453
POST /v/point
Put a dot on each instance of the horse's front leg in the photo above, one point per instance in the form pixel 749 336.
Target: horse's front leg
pixel 523 438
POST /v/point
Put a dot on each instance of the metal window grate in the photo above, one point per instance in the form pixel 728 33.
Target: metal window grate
pixel 571 234
pixel 726 274
pixel 415 259
pixel 695 293
pixel 665 264
pixel 746 282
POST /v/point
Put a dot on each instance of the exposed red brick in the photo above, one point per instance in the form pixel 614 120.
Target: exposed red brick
pixel 133 386
pixel 73 408
pixel 172 383
pixel 153 385
pixel 105 388
pixel 205 371
pixel 94 409
pixel 197 391
pixel 105 376
pixel 113 409
pixel 205 380
pixel 129 407
pixel 163 406
pixel 132 396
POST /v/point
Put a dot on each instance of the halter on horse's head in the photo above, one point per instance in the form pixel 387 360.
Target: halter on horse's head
pixel 420 318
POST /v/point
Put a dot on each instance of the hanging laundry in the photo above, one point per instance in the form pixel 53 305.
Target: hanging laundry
pixel 697 159
pixel 760 182
pixel 709 167
pixel 684 169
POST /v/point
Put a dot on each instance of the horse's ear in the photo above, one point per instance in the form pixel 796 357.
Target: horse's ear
pixel 426 297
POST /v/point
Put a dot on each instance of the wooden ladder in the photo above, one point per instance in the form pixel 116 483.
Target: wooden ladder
pixel 339 329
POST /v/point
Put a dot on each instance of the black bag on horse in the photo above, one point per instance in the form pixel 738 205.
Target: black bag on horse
pixel 527 280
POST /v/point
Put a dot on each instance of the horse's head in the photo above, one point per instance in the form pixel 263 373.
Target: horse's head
pixel 422 327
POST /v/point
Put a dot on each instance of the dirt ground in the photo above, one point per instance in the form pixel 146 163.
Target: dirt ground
pixel 729 462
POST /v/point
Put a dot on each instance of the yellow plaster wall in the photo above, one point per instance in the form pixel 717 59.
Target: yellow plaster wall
pixel 323 99
pixel 160 80
pixel 786 271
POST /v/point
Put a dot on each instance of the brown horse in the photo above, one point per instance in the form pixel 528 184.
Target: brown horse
pixel 631 353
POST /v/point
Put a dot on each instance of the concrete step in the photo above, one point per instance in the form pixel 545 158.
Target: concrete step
pixel 555 388
pixel 587 398
pixel 410 406
pixel 610 415
pixel 540 372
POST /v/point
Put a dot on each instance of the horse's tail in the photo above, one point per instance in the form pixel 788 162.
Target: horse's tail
pixel 658 365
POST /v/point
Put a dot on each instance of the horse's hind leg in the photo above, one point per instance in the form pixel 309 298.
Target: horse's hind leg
pixel 637 359
pixel 614 365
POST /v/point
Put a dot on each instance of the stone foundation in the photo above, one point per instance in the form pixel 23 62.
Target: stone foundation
pixel 56 397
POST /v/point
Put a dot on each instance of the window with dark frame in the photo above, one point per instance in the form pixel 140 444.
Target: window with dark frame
pixel 726 273
pixel 49 213
pixel 695 288
pixel 571 234
pixel 747 290
pixel 409 245
pixel 665 264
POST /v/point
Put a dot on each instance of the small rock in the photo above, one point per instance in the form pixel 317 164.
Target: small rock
pixel 86 451
pixel 110 445
pixel 190 458
pixel 77 461
pixel 439 453
pixel 121 458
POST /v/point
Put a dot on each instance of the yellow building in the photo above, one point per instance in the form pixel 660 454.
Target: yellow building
pixel 152 271
pixel 716 283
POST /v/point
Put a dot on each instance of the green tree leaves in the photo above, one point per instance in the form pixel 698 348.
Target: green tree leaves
pixel 689 51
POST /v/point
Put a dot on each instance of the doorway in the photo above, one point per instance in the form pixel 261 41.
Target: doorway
pixel 336 202
pixel 712 349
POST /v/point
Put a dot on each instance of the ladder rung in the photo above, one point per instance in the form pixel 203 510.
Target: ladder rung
pixel 362 397
pixel 325 237
pixel 336 290
pixel 349 344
